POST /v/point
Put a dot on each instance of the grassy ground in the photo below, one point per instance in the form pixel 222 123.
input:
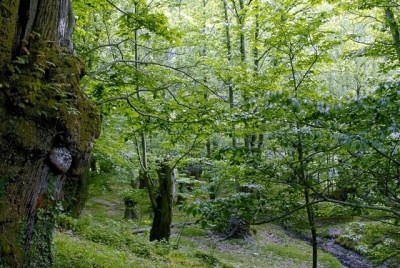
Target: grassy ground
pixel 100 238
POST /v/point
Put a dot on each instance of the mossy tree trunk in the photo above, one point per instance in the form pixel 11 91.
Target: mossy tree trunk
pixel 47 125
pixel 76 194
pixel 163 203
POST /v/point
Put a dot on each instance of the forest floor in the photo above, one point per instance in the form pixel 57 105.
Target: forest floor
pixel 347 257
pixel 101 238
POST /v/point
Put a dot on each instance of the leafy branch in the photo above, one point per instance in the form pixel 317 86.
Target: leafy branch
pixel 108 65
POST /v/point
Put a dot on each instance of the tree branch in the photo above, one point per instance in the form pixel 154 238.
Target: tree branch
pixel 394 29
pixel 106 66
pixel 385 155
pixel 344 203
pixel 142 113
pixel 114 99
pixel 288 213
pixel 117 8
pixel 106 45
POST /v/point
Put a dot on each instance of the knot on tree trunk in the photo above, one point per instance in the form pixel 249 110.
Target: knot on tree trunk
pixel 47 126
pixel 61 159
pixel 47 130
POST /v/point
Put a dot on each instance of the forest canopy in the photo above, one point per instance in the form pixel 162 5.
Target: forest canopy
pixel 297 101
pixel 235 112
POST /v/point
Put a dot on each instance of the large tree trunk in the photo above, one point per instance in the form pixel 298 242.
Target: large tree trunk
pixel 47 125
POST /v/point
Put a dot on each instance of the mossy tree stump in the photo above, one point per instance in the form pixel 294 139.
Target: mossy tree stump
pixel 130 208
pixel 162 202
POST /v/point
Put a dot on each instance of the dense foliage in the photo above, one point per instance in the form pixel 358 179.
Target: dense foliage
pixel 291 108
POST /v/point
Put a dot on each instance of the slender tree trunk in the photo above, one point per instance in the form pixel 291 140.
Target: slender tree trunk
pixel 229 58
pixel 47 126
pixel 205 80
pixel 311 222
pixel 394 29
pixel 303 178
pixel 240 17
pixel 256 69
pixel 142 175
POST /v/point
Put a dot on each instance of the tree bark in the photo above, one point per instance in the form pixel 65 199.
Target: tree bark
pixel 311 222
pixel 161 227
pixel 229 58
pixel 394 29
pixel 305 182
pixel 76 194
pixel 47 126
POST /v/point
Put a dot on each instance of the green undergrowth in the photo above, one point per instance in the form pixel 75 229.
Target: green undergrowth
pixel 376 238
pixel 377 241
pixel 100 238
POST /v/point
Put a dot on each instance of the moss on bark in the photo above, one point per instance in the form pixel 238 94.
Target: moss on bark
pixel 41 108
pixel 8 16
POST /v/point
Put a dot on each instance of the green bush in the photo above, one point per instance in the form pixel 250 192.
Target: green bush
pixel 217 213
pixel 329 210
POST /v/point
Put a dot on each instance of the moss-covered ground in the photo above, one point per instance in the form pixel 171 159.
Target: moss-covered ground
pixel 101 238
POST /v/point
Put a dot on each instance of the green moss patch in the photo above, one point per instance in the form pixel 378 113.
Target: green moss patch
pixel 45 88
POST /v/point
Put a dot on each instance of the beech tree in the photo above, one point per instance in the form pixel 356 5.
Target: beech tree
pixel 47 126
